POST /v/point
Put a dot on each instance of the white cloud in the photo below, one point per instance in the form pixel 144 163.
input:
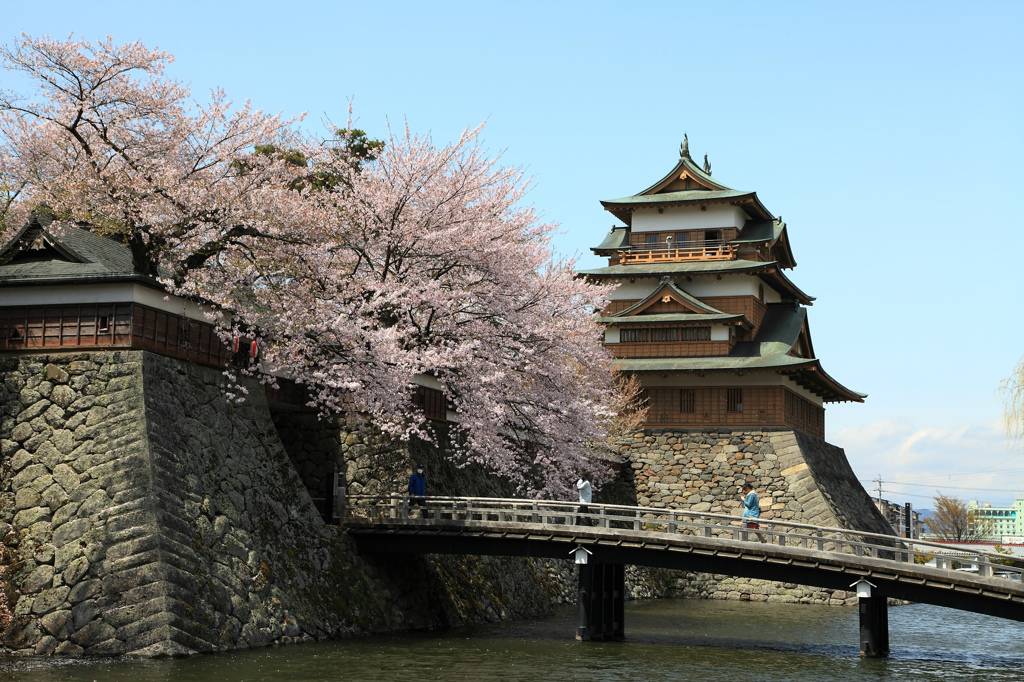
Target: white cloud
pixel 970 461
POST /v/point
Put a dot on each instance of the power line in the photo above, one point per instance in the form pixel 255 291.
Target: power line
pixel 940 485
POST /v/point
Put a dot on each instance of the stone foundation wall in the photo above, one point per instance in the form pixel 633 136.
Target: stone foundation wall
pixel 797 477
pixel 142 513
pixel 372 464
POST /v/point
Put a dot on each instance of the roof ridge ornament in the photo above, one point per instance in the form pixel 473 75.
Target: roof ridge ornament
pixel 684 148
pixel 707 165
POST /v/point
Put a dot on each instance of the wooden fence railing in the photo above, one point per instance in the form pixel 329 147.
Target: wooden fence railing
pixel 535 514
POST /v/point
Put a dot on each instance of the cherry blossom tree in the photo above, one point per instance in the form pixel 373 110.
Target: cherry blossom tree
pixel 427 263
pixel 362 269
pixel 108 141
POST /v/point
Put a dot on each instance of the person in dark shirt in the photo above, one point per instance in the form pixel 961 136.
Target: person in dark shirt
pixel 418 487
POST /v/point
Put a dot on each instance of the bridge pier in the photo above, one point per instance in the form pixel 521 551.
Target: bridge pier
pixel 601 602
pixel 874 626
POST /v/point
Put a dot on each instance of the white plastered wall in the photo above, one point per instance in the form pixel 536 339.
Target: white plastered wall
pixel 687 218
pixel 113 292
pixel 699 287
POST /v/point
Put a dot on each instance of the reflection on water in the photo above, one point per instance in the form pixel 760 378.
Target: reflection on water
pixel 667 640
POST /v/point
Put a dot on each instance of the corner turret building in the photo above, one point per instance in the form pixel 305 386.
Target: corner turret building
pixel 704 313
pixel 706 317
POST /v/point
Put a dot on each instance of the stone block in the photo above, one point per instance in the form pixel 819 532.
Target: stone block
pixel 39 579
pixel 72 530
pixel 87 589
pixel 26 498
pixel 92 634
pixel 27 517
pixel 22 432
pixel 84 613
pixel 75 570
pixel 28 475
pixel 50 600
pixel 81 366
pixel 54 496
pixel 46 646
pixel 57 623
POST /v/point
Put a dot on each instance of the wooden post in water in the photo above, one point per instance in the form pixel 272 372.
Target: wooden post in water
pixel 874 621
pixel 601 599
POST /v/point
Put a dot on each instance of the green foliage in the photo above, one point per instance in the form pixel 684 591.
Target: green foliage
pixel 352 145
pixel 999 549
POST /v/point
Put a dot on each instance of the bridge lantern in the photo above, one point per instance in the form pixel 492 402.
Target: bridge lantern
pixel 580 554
pixel 863 588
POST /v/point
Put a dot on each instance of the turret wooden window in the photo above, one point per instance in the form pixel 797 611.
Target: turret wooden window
pixel 665 334
pixel 734 400
pixel 688 400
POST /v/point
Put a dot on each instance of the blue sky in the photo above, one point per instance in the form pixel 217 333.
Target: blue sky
pixel 887 135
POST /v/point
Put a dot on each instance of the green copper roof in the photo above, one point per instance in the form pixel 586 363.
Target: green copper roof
pixel 703 267
pixel 618 238
pixel 778 333
pixel 759 232
pixel 656 318
pixel 681 197
pixel 770 272
pixel 709 363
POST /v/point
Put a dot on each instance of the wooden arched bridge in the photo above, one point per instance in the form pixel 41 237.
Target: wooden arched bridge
pixel 603 538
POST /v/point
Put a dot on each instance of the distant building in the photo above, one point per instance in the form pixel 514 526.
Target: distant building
pixel 896 514
pixel 1006 523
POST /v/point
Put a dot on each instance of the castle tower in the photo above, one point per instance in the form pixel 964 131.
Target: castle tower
pixel 705 316
pixel 704 313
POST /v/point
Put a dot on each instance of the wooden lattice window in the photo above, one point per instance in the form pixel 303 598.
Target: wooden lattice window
pixel 634 335
pixel 696 333
pixel 734 400
pixel 688 400
pixel 665 334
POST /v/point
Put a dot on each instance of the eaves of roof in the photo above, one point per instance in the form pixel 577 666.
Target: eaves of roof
pixel 674 318
pixel 770 271
pixel 809 370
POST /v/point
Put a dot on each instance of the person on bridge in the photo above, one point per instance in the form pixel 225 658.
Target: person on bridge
pixel 586 495
pixel 418 487
pixel 751 509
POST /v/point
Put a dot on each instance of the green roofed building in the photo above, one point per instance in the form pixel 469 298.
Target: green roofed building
pixel 704 312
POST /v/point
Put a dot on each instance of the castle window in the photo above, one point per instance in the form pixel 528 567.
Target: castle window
pixel 665 334
pixel 633 335
pixel 734 400
pixel 687 400
pixel 652 240
pixel 696 333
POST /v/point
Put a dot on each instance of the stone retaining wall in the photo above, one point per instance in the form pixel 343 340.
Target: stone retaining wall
pixel 142 513
pixel 797 477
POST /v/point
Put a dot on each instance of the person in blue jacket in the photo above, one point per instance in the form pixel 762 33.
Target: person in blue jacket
pixel 418 486
pixel 751 509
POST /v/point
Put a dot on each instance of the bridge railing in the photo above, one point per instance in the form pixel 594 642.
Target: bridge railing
pixel 511 512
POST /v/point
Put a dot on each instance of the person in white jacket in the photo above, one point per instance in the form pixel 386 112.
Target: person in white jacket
pixel 586 495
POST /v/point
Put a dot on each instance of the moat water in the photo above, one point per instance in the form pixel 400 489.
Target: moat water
pixel 672 639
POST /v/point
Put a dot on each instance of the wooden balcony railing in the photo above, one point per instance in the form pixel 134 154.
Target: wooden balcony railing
pixel 684 251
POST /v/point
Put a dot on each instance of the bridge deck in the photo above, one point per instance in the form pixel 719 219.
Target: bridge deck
pixel 823 557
